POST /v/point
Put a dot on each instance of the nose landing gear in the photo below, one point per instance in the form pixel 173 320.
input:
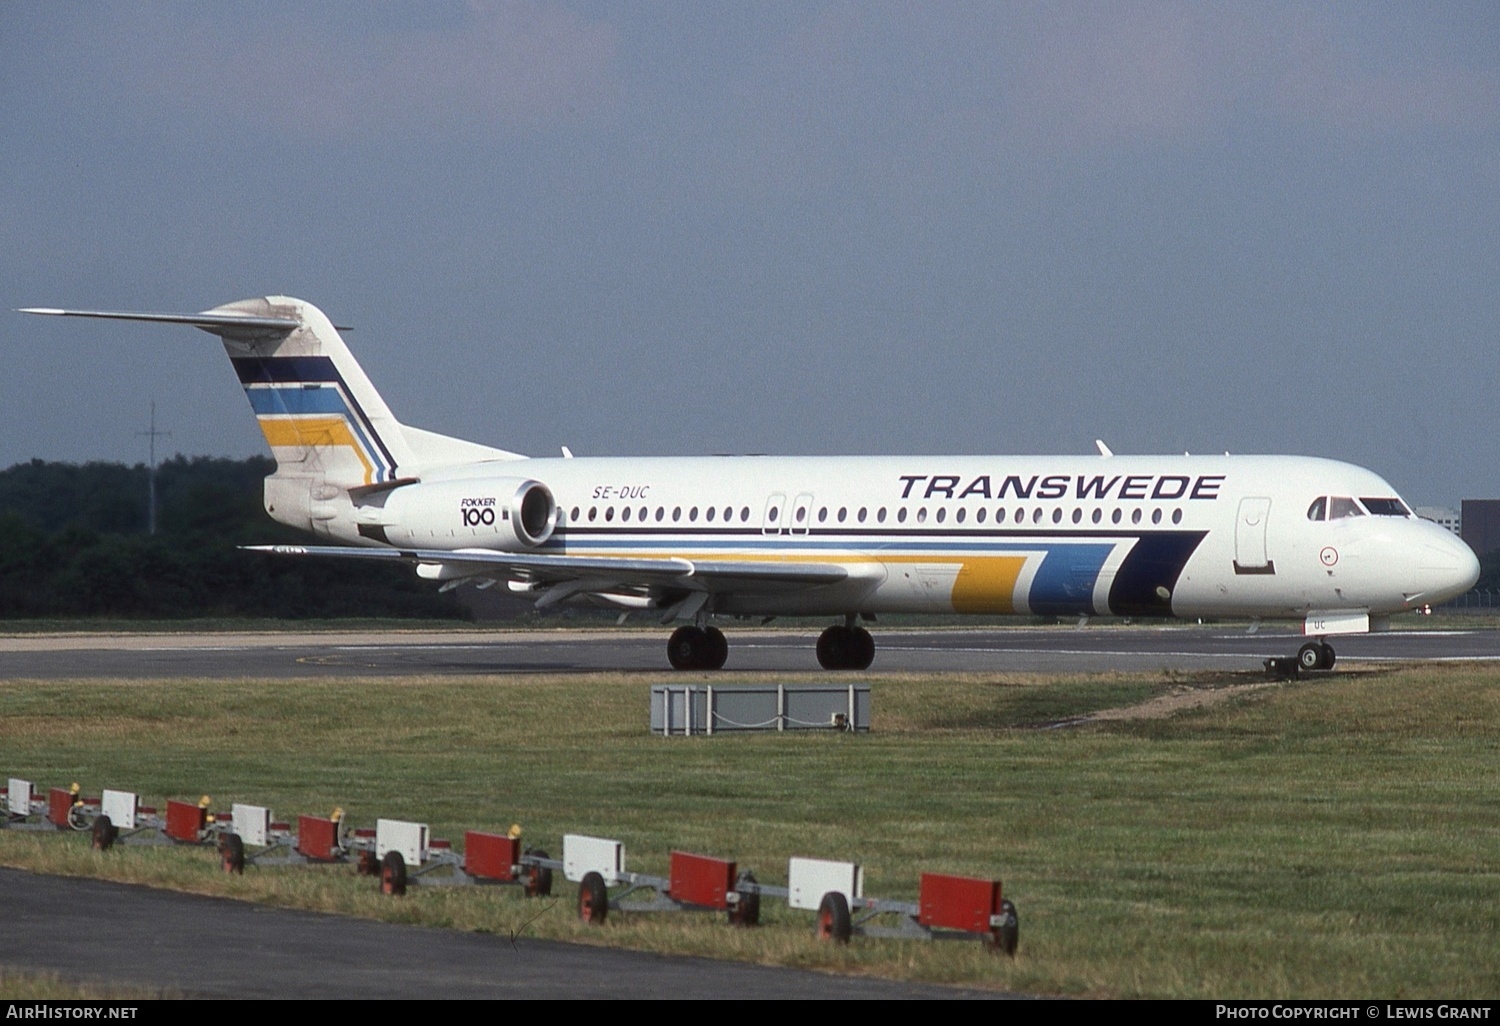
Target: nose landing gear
pixel 1315 655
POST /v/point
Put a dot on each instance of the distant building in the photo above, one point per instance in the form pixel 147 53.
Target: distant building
pixel 1443 516
pixel 1481 525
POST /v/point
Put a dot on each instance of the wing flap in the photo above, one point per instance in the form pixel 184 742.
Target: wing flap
pixel 602 572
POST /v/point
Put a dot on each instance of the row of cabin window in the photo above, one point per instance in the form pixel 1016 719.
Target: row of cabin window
pixel 1038 514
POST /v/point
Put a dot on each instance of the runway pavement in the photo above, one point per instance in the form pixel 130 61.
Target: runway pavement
pixel 197 946
pixel 1051 649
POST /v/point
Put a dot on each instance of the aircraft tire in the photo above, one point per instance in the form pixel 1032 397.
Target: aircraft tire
pixel 686 648
pixel 1310 656
pixel 1329 658
pixel 833 919
pixel 864 649
pixel 593 899
pixel 834 647
pixel 716 651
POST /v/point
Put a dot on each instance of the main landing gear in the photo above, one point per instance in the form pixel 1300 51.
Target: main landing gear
pixel 697 648
pixel 843 646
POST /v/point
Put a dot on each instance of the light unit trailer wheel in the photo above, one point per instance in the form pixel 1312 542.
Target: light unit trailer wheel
pixel 538 882
pixel 593 899
pixel 745 911
pixel 232 853
pixel 1005 938
pixel 393 874
pixel 104 833
pixel 833 919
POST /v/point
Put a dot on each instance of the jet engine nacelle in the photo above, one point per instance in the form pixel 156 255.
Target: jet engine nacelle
pixel 507 514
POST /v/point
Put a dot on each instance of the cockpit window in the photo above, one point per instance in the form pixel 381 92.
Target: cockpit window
pixel 1340 507
pixel 1385 507
pixel 1319 509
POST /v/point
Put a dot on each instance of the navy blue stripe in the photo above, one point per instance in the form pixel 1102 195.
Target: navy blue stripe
pixel 1155 562
pixel 276 370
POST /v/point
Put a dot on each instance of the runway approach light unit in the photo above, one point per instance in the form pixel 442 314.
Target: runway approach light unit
pixel 1321 542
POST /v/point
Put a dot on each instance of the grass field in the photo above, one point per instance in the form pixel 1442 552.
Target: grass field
pixel 1337 836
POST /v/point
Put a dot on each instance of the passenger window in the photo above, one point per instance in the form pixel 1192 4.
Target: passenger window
pixel 1098 515
pixel 744 514
pixel 941 514
pixel 1156 516
pixel 1057 515
pixel 880 516
pixel 979 515
pixel 901 515
pixel 922 515
pixel 625 513
pixel 661 514
pixel 1177 516
pixel 1078 516
pixel 1036 515
pixel 1000 515
pixel 693 514
pixel 822 514
pixel 574 515
pixel 609 513
pixel 593 511
pixel 728 514
pixel 676 514
pixel 1135 516
pixel 1114 518
pixel 644 511
pixel 708 514
pixel 862 514
pixel 843 512
pixel 771 514
pixel 960 515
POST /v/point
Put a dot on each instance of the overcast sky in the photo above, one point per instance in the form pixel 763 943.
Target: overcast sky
pixel 679 228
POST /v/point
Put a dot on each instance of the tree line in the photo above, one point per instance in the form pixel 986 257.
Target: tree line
pixel 74 542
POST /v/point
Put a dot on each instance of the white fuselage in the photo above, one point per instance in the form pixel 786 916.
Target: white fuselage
pixel 1065 535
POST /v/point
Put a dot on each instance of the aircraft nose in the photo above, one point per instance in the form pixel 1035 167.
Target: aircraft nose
pixel 1451 565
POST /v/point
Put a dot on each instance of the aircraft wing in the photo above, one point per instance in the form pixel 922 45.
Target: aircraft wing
pixel 591 573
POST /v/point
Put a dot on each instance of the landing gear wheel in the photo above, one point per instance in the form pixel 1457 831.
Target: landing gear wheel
pixel 835 646
pixel 105 834
pixel 716 649
pixel 538 878
pixel 393 874
pixel 845 648
pixel 1005 938
pixel 1310 656
pixel 745 911
pixel 687 647
pixel 864 649
pixel 833 918
pixel 1328 656
pixel 232 854
pixel 593 899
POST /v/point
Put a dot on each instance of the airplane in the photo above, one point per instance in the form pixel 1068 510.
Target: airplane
pixel 1298 538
